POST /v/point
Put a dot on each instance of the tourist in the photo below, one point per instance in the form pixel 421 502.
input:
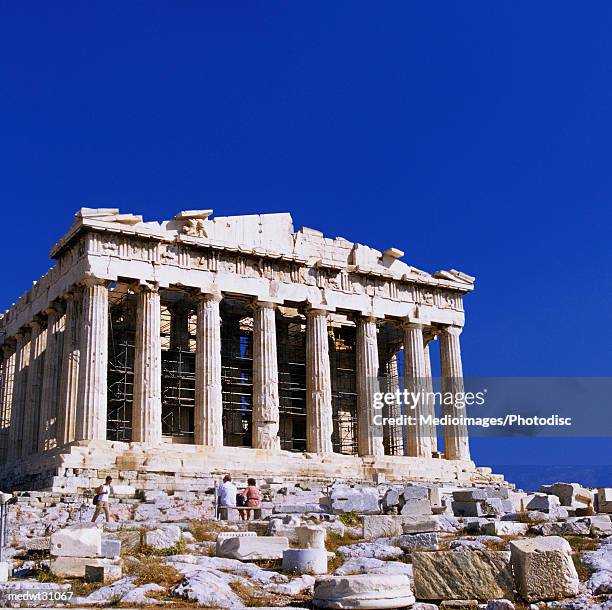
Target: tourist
pixel 226 497
pixel 252 493
pixel 101 500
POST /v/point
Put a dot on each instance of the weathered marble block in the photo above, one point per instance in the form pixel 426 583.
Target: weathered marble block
pixel 81 540
pixel 543 568
pixel 249 548
pixel 476 574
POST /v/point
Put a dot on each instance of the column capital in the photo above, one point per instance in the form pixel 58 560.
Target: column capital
pixel 92 280
pixel 145 287
pixel 209 296
pixel 23 333
pixel 35 324
pixel 53 308
pixel 8 347
pixel 454 331
pixel 264 304
pixel 75 293
pixel 409 323
pixel 313 311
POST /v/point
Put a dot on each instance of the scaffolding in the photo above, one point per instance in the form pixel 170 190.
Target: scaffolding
pixel 291 350
pixel 343 366
pixel 237 372
pixel 177 332
pixel 121 336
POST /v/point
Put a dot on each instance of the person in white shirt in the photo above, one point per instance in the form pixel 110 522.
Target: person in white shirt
pixel 227 493
pixel 102 494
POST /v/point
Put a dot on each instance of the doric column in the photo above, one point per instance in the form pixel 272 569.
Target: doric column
pixel 147 406
pixel 265 378
pixel 6 393
pixel 418 436
pixel 208 398
pixel 429 385
pixel 394 410
pixel 38 342
pixel 369 435
pixel 69 376
pixel 456 444
pixel 319 422
pixel 179 325
pixel 22 358
pixel 47 430
pixel 92 392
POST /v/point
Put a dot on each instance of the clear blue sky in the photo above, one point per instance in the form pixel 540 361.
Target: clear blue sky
pixel 471 135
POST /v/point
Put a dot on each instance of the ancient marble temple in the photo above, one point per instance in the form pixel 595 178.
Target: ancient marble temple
pixel 166 353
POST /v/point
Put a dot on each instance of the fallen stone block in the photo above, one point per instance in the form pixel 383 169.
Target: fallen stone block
pixel 311 537
pixel 110 548
pixel 363 591
pixel 391 498
pixel 570 494
pixel 481 575
pixel 417 506
pixel 74 567
pixel 305 561
pixel 575 527
pixel 543 502
pixel 377 550
pixel 543 568
pixel 163 537
pixel 250 548
pixel 346 499
pixel 601 525
pixel 504 528
pixel 459 604
pixel 604 499
pixel 429 541
pixel 102 573
pixel 469 495
pixel 5 571
pixel 415 492
pixel 81 540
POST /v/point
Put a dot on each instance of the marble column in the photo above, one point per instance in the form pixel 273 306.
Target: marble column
pixel 69 375
pixel 208 416
pixel 147 405
pixel 265 378
pixel 6 393
pixel 456 444
pixel 319 421
pixel 418 437
pixel 369 435
pixel 429 385
pixel 395 432
pixel 38 343
pixel 22 358
pixel 47 429
pixel 93 365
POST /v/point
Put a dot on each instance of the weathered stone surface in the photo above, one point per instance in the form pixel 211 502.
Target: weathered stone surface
pixel 459 604
pixel 74 567
pixel 429 541
pixel 305 561
pixel 296 586
pixel 110 548
pixel 311 537
pixel 346 499
pixel 163 537
pixel 565 528
pixel 81 540
pixel 604 499
pixel 543 502
pixel 210 589
pixel 482 575
pixel 376 550
pixel 504 528
pixel 416 506
pixel 601 525
pixel 102 573
pixel 570 494
pixel 500 604
pixel 543 568
pixel 369 565
pixel 469 495
pixel 363 591
pixel 247 548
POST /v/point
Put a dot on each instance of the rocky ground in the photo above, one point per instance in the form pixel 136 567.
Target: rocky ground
pixel 385 546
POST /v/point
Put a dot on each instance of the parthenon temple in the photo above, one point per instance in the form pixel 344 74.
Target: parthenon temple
pixel 172 352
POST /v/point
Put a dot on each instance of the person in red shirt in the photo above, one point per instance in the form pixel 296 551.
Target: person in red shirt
pixel 252 494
